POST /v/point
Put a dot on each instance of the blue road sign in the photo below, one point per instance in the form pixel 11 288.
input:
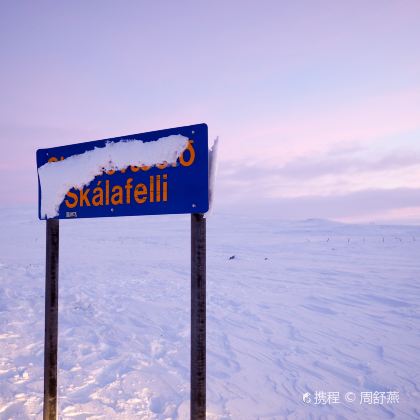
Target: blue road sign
pixel 181 187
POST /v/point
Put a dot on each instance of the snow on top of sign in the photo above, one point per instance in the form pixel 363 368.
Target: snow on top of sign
pixel 57 178
pixel 213 165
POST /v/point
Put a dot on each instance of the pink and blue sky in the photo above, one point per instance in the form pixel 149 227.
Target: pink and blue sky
pixel 317 103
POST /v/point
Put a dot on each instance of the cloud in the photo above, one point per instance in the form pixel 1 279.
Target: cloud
pixel 365 205
pixel 311 167
pixel 289 135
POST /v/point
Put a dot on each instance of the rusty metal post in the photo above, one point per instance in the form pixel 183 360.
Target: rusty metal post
pixel 51 321
pixel 198 317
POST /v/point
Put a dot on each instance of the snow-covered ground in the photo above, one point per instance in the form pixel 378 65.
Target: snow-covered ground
pixel 303 307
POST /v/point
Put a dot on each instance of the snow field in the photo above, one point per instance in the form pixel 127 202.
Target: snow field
pixel 303 307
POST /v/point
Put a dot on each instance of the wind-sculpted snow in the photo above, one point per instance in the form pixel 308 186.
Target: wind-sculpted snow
pixel 303 307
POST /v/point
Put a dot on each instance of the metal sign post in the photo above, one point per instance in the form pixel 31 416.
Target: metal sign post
pixel 198 317
pixel 180 187
pixel 51 321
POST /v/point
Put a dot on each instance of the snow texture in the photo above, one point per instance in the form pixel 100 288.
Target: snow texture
pixel 213 163
pixel 303 307
pixel 57 178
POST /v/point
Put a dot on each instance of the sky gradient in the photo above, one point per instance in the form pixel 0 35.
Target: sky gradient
pixel 317 104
